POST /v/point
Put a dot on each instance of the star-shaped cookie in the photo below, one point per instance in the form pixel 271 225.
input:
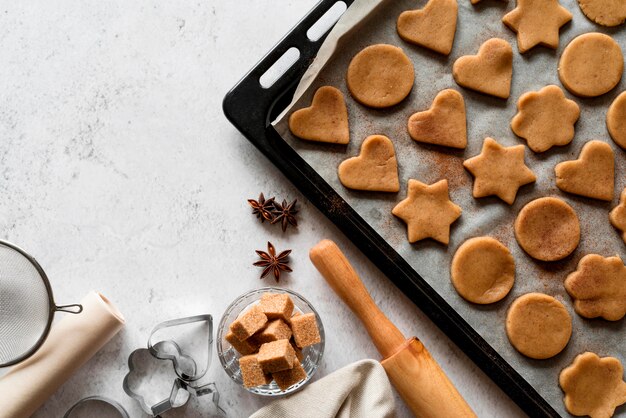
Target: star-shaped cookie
pixel 427 211
pixel 499 171
pixel 537 22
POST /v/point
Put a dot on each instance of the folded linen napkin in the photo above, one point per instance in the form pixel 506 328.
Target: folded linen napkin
pixel 358 390
pixel 71 342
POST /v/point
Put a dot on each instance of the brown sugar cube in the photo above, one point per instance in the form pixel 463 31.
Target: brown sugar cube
pixel 305 330
pixel 298 350
pixel 248 323
pixel 276 306
pixel 287 378
pixel 277 356
pixel 244 347
pixel 274 331
pixel 252 372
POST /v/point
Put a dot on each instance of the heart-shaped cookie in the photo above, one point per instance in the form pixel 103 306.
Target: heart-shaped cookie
pixel 591 175
pixel 432 27
pixel 375 169
pixel 444 123
pixel 490 71
pixel 326 120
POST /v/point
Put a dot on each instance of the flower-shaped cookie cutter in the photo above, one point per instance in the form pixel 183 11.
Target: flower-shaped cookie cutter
pixel 163 376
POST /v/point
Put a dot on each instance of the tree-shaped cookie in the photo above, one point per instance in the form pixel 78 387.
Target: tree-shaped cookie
pixel 427 211
pixel 545 118
pixel 432 27
pixel 598 287
pixel 489 72
pixel 375 169
pixel 326 120
pixel 537 22
pixel 591 175
pixel 593 386
pixel 443 124
pixel 499 171
pixel 617 216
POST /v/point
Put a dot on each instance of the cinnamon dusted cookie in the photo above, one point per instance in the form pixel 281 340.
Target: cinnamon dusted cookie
pixel 427 211
pixel 591 175
pixel 591 65
pixel 593 386
pixel 444 123
pixel 483 270
pixel 375 169
pixel 326 120
pixel 538 325
pixel 380 76
pixel 489 72
pixel 618 215
pixel 598 287
pixel 547 229
pixel 432 27
pixel 545 118
pixel 499 171
pixel 604 12
pixel 537 22
pixel 616 120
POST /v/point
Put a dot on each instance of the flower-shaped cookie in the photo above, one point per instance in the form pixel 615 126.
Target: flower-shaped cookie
pixel 598 287
pixel 593 386
pixel 545 118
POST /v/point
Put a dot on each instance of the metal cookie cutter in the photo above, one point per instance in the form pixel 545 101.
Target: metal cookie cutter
pixel 166 374
pixel 96 406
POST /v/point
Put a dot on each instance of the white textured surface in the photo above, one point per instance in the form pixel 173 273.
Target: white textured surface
pixel 120 174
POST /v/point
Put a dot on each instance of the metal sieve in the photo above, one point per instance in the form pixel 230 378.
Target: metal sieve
pixel 26 305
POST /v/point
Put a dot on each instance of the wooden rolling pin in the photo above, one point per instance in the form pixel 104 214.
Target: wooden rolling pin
pixel 415 374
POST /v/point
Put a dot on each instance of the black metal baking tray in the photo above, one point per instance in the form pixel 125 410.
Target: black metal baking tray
pixel 251 108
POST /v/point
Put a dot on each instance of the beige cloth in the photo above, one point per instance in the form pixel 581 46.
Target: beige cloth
pixel 71 342
pixel 358 390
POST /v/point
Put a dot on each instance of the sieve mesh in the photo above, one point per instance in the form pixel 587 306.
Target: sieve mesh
pixel 24 305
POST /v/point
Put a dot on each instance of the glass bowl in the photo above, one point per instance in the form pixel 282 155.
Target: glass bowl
pixel 229 357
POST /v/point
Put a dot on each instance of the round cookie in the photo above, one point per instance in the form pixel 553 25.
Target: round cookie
pixel 591 65
pixel 547 229
pixel 380 76
pixel 483 270
pixel 604 12
pixel 616 120
pixel 538 326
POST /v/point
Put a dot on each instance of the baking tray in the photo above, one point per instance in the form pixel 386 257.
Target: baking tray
pixel 251 108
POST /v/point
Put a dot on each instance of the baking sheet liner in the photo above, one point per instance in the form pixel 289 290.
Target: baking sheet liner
pixel 368 22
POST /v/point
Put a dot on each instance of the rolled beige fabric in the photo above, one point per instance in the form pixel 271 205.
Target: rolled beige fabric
pixel 71 342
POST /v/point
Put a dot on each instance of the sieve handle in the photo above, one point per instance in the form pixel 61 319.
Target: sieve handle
pixel 74 308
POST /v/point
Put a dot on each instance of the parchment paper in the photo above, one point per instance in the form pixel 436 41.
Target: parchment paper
pixel 487 116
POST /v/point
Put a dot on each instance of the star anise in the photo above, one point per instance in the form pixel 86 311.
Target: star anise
pixel 273 263
pixel 262 208
pixel 285 214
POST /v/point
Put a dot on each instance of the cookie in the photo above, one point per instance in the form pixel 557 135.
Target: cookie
pixel 489 72
pixel 593 386
pixel 380 76
pixel 545 118
pixel 591 65
pixel 538 326
pixel 427 211
pixel 375 169
pixel 444 123
pixel 547 229
pixel 432 27
pixel 326 120
pixel 598 287
pixel 591 175
pixel 617 216
pixel 499 171
pixel 616 120
pixel 604 12
pixel 483 270
pixel 537 22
